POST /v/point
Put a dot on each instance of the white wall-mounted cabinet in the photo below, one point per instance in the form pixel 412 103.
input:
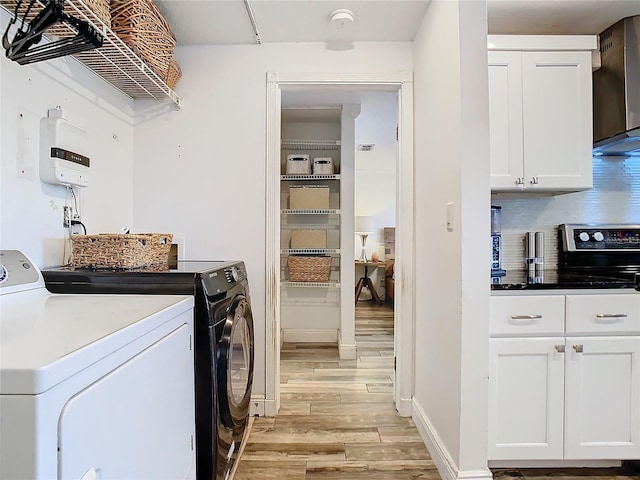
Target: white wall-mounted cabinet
pixel 564 378
pixel 540 115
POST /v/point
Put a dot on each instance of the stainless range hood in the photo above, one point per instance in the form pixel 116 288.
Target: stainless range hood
pixel 616 91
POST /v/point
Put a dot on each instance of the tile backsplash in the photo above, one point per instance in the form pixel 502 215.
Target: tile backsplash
pixel 615 198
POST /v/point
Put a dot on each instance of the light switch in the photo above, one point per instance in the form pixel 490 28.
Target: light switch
pixel 450 217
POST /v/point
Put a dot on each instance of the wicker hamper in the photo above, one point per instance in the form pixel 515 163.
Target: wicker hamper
pixel 173 74
pixel 100 9
pixel 114 250
pixel 309 269
pixel 140 25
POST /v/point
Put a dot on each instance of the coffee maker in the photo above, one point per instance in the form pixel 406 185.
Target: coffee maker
pixel 496 242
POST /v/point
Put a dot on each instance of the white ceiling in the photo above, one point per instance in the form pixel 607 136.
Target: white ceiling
pixel 221 22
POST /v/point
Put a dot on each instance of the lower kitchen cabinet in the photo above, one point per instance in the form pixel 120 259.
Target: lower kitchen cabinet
pixel 565 395
pixel 526 399
pixel 602 400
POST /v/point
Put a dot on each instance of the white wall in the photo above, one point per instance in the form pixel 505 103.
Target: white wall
pixel 31 211
pixel 452 288
pixel 200 172
pixel 375 176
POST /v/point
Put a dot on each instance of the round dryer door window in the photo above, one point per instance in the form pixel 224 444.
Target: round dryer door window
pixel 238 367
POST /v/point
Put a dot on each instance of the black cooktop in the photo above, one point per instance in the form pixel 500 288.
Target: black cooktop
pixel 552 279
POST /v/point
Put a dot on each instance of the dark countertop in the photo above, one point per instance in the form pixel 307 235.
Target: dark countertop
pixel 552 280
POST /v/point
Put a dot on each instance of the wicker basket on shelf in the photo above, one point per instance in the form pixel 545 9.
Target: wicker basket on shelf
pixel 173 74
pixel 142 27
pixel 120 251
pixel 100 8
pixel 309 269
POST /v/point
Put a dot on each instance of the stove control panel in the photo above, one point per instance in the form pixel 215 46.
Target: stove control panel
pixel 589 237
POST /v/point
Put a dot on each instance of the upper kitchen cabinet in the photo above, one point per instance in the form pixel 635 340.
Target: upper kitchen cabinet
pixel 540 113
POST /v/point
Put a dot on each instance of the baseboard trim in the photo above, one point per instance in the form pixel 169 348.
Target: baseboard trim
pixel 447 468
pixel 405 407
pixel 347 351
pixel 309 336
pixel 554 463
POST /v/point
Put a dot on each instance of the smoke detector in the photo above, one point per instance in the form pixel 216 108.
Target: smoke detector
pixel 341 18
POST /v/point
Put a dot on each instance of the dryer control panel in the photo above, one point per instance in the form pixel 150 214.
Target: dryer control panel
pixel 17 270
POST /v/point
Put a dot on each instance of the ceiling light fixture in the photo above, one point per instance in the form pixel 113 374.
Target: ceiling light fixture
pixel 341 18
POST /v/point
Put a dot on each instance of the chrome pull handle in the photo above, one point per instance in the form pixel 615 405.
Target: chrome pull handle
pixel 520 181
pixel 525 317
pixel 535 181
pixel 579 348
pixel 560 348
pixel 611 315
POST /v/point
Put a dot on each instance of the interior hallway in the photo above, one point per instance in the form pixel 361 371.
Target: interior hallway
pixel 337 418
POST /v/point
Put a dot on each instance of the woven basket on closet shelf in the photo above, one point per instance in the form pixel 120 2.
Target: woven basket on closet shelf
pixel 173 74
pixel 309 269
pixel 120 251
pixel 100 8
pixel 142 27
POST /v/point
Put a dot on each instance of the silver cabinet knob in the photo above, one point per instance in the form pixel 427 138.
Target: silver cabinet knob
pixel 560 348
pixel 535 181
pixel 579 348
pixel 520 181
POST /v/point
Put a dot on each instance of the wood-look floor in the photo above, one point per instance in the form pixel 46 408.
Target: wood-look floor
pixel 338 421
pixel 337 418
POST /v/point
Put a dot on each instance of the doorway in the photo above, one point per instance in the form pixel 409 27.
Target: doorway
pixel 401 84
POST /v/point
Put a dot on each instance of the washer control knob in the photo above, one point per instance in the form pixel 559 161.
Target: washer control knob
pixel 598 236
pixel 584 236
pixel 3 274
pixel 234 274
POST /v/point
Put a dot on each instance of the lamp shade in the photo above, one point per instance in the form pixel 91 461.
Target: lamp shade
pixel 364 224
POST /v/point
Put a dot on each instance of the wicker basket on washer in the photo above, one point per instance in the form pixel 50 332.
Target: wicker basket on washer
pixel 142 27
pixel 309 269
pixel 120 251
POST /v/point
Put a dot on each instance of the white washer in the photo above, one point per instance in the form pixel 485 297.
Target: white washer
pixel 93 386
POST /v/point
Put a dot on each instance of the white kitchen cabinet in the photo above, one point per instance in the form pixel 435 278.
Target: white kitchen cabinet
pixel 540 120
pixel 564 378
pixel 526 398
pixel 602 402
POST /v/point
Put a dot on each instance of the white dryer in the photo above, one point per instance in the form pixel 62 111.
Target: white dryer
pixel 93 386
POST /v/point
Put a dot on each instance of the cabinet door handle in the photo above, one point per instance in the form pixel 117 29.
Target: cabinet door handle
pixel 560 348
pixel 525 317
pixel 534 181
pixel 520 181
pixel 611 315
pixel 579 348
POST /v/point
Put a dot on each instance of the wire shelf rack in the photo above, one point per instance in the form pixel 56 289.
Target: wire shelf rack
pixel 290 144
pixel 311 284
pixel 310 251
pixel 315 211
pixel 310 177
pixel 114 62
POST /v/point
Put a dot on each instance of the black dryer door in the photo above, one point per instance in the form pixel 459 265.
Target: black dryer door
pixel 235 364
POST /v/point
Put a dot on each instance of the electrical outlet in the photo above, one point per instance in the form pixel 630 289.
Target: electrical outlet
pixel 67 216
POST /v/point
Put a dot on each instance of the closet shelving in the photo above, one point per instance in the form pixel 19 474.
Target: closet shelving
pixel 327 219
pixel 300 145
pixel 114 62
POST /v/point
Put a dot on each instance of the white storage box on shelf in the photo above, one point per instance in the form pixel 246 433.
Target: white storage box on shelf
pixel 298 165
pixel 323 166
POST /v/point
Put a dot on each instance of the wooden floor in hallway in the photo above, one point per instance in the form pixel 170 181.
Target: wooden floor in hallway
pixel 337 418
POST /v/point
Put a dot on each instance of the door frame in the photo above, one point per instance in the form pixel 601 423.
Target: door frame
pixel 404 316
